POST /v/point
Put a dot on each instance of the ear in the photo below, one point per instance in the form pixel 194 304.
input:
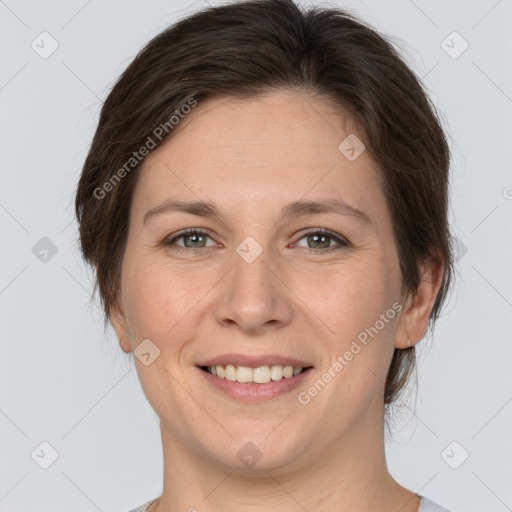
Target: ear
pixel 118 321
pixel 414 320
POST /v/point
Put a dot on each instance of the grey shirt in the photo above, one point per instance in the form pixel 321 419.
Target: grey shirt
pixel 426 505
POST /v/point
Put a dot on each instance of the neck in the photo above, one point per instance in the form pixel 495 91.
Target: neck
pixel 349 474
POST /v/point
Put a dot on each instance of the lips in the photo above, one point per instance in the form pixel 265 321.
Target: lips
pixel 255 392
pixel 254 361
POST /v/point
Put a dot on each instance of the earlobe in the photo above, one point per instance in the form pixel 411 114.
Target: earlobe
pixel 402 338
pixel 118 321
pixel 415 317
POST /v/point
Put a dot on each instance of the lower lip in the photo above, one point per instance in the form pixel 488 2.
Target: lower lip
pixel 251 392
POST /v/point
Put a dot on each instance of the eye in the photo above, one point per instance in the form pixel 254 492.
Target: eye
pixel 193 239
pixel 196 239
pixel 321 241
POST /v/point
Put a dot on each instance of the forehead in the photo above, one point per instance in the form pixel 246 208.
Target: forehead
pixel 278 146
pixel 250 127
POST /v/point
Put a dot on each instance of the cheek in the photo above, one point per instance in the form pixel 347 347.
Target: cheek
pixel 351 296
pixel 160 299
pixel 356 303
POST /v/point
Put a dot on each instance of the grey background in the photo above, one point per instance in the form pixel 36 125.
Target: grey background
pixel 62 381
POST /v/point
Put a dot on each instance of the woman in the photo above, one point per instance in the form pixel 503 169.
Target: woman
pixel 265 206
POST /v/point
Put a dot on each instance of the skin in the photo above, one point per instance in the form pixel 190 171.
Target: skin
pixel 250 158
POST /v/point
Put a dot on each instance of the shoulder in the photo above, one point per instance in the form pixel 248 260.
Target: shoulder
pixel 427 505
pixel 143 507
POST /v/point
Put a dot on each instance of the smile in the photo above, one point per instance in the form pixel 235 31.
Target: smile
pixel 259 375
pixel 252 385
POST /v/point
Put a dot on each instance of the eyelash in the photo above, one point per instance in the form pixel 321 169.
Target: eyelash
pixel 340 240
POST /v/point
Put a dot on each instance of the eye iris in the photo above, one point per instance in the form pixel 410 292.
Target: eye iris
pixel 193 235
pixel 316 236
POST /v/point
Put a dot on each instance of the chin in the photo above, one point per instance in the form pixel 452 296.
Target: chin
pixel 260 451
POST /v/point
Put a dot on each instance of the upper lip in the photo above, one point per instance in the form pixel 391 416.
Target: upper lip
pixel 254 361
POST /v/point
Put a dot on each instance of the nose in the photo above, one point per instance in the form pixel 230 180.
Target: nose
pixel 254 297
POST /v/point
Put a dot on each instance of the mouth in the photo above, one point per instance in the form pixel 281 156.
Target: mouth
pixel 257 375
pixel 254 384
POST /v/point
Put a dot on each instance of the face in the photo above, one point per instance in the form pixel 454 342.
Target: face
pixel 306 289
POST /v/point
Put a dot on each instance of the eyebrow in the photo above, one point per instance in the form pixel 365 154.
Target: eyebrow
pixel 293 209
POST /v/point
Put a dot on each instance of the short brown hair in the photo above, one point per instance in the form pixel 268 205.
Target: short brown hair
pixel 247 48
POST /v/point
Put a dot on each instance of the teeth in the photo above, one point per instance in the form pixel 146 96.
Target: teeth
pixel 244 374
pixel 231 372
pixel 260 375
pixel 287 372
pixel 276 372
